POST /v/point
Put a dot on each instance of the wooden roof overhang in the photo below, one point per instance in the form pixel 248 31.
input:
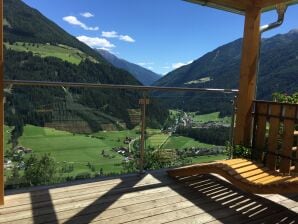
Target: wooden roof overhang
pixel 240 6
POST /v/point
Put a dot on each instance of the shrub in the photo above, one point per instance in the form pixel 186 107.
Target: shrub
pixel 83 175
pixel 240 151
pixel 40 170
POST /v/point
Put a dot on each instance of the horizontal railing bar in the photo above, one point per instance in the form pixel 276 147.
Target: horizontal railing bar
pixel 113 86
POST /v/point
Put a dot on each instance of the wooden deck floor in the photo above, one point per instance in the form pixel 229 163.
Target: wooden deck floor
pixel 151 198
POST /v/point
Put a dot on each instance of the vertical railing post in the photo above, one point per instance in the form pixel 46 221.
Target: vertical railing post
pixel 1 108
pixel 232 128
pixel 143 102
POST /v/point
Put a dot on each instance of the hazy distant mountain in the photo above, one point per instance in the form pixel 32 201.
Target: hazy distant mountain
pixel 145 76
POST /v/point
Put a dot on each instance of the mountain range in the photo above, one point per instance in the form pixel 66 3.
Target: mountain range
pixel 145 76
pixel 220 67
pixel 38 49
pixel 278 72
pixel 35 48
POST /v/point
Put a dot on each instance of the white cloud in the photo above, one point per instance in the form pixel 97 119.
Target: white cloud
pixel 126 38
pixel 180 64
pixel 86 14
pixel 114 34
pixel 74 21
pixel 150 67
pixel 96 42
pixel 166 67
pixel 109 34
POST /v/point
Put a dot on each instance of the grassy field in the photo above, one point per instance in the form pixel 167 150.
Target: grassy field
pixel 209 158
pixel 210 117
pixel 202 118
pixel 74 148
pixel 180 142
pixel 80 149
pixel 156 140
pixel 63 52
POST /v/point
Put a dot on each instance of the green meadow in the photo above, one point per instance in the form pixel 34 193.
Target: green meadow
pixel 75 149
pixel 180 142
pixel 79 150
pixel 63 52
pixel 210 117
pixel 156 140
pixel 207 159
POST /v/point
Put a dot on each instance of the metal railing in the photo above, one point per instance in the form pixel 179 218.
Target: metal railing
pixel 143 101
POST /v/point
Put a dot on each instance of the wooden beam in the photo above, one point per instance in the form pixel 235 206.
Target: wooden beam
pixel 239 5
pixel 1 108
pixel 248 73
pixel 270 3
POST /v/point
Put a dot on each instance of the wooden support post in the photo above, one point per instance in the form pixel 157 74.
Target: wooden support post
pixel 1 108
pixel 248 73
pixel 143 102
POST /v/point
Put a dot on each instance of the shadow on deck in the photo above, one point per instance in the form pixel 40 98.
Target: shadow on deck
pixel 150 198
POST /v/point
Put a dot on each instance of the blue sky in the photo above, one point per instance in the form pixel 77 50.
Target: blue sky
pixel 158 34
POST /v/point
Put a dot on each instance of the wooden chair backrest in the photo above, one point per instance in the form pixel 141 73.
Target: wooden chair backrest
pixel 274 137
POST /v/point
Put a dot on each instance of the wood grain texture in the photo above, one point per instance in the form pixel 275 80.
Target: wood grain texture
pixel 151 198
pixel 248 70
pixel 260 135
pixel 288 138
pixel 268 3
pixel 1 108
pixel 274 122
pixel 246 175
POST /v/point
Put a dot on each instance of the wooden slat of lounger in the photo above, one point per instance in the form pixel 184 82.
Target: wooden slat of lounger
pixel 288 138
pixel 248 168
pixel 239 165
pixel 255 177
pixel 261 110
pixel 231 161
pixel 273 135
pixel 244 169
pixel 294 179
pixel 250 173
pixel 270 179
pixel 252 177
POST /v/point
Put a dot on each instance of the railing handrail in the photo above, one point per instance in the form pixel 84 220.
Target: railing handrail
pixel 115 86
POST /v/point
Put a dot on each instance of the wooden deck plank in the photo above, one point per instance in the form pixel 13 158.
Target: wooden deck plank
pixel 129 192
pixel 154 199
pixel 65 205
pixel 92 190
pixel 133 198
pixel 80 185
pixel 115 210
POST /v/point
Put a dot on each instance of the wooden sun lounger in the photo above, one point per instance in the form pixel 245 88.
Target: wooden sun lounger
pixel 244 174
